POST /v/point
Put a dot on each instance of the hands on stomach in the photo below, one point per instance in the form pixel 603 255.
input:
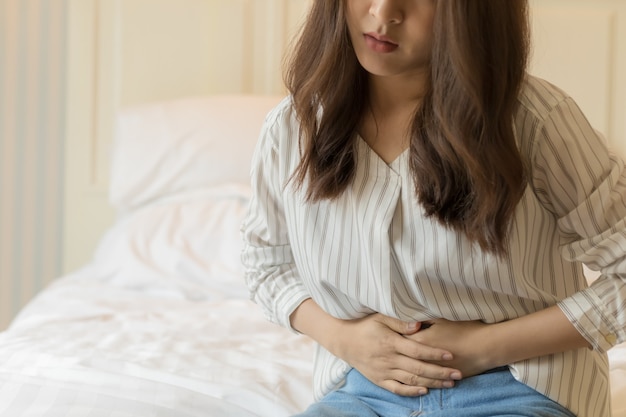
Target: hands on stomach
pixel 404 358
pixel 408 358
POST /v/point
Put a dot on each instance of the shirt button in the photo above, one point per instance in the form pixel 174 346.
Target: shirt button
pixel 611 338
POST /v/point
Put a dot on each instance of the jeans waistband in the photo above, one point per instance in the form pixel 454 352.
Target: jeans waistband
pixel 498 369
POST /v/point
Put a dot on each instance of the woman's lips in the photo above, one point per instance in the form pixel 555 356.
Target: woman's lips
pixel 379 43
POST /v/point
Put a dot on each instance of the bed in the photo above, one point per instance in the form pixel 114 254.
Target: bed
pixel 159 322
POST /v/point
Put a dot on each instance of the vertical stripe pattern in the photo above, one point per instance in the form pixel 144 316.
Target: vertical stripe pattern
pixel 373 249
pixel 32 112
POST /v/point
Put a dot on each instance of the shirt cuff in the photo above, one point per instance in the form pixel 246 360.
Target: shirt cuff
pixel 584 309
pixel 287 302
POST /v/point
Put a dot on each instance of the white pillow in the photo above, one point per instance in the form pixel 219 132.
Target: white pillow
pixel 187 245
pixel 167 147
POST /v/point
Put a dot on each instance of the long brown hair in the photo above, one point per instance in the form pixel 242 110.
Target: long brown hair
pixel 464 159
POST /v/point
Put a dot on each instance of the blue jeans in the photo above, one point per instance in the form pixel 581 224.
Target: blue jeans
pixel 492 394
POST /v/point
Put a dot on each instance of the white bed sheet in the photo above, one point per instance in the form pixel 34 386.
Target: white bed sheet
pixel 87 348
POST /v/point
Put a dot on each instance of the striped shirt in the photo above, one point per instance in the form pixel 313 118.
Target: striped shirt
pixel 373 249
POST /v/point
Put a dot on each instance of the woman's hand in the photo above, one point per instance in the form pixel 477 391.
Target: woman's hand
pixel 467 340
pixel 377 347
pixel 478 347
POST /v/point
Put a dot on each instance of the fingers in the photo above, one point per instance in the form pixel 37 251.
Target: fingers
pixel 396 362
pixel 422 374
pixel 411 385
pixel 416 350
pixel 399 326
pixel 399 388
pixel 420 351
pixel 422 366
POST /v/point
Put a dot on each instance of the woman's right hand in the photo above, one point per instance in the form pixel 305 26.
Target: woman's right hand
pixel 375 345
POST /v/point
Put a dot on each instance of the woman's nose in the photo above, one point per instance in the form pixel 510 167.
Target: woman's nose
pixel 387 11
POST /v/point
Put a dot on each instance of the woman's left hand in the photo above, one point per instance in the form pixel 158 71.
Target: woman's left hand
pixel 468 341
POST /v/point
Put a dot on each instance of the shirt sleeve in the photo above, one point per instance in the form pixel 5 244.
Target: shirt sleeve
pixel 584 185
pixel 270 271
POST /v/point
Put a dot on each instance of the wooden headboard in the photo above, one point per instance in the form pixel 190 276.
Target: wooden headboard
pixel 124 52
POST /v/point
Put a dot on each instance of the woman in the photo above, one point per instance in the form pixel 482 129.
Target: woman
pixel 422 209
